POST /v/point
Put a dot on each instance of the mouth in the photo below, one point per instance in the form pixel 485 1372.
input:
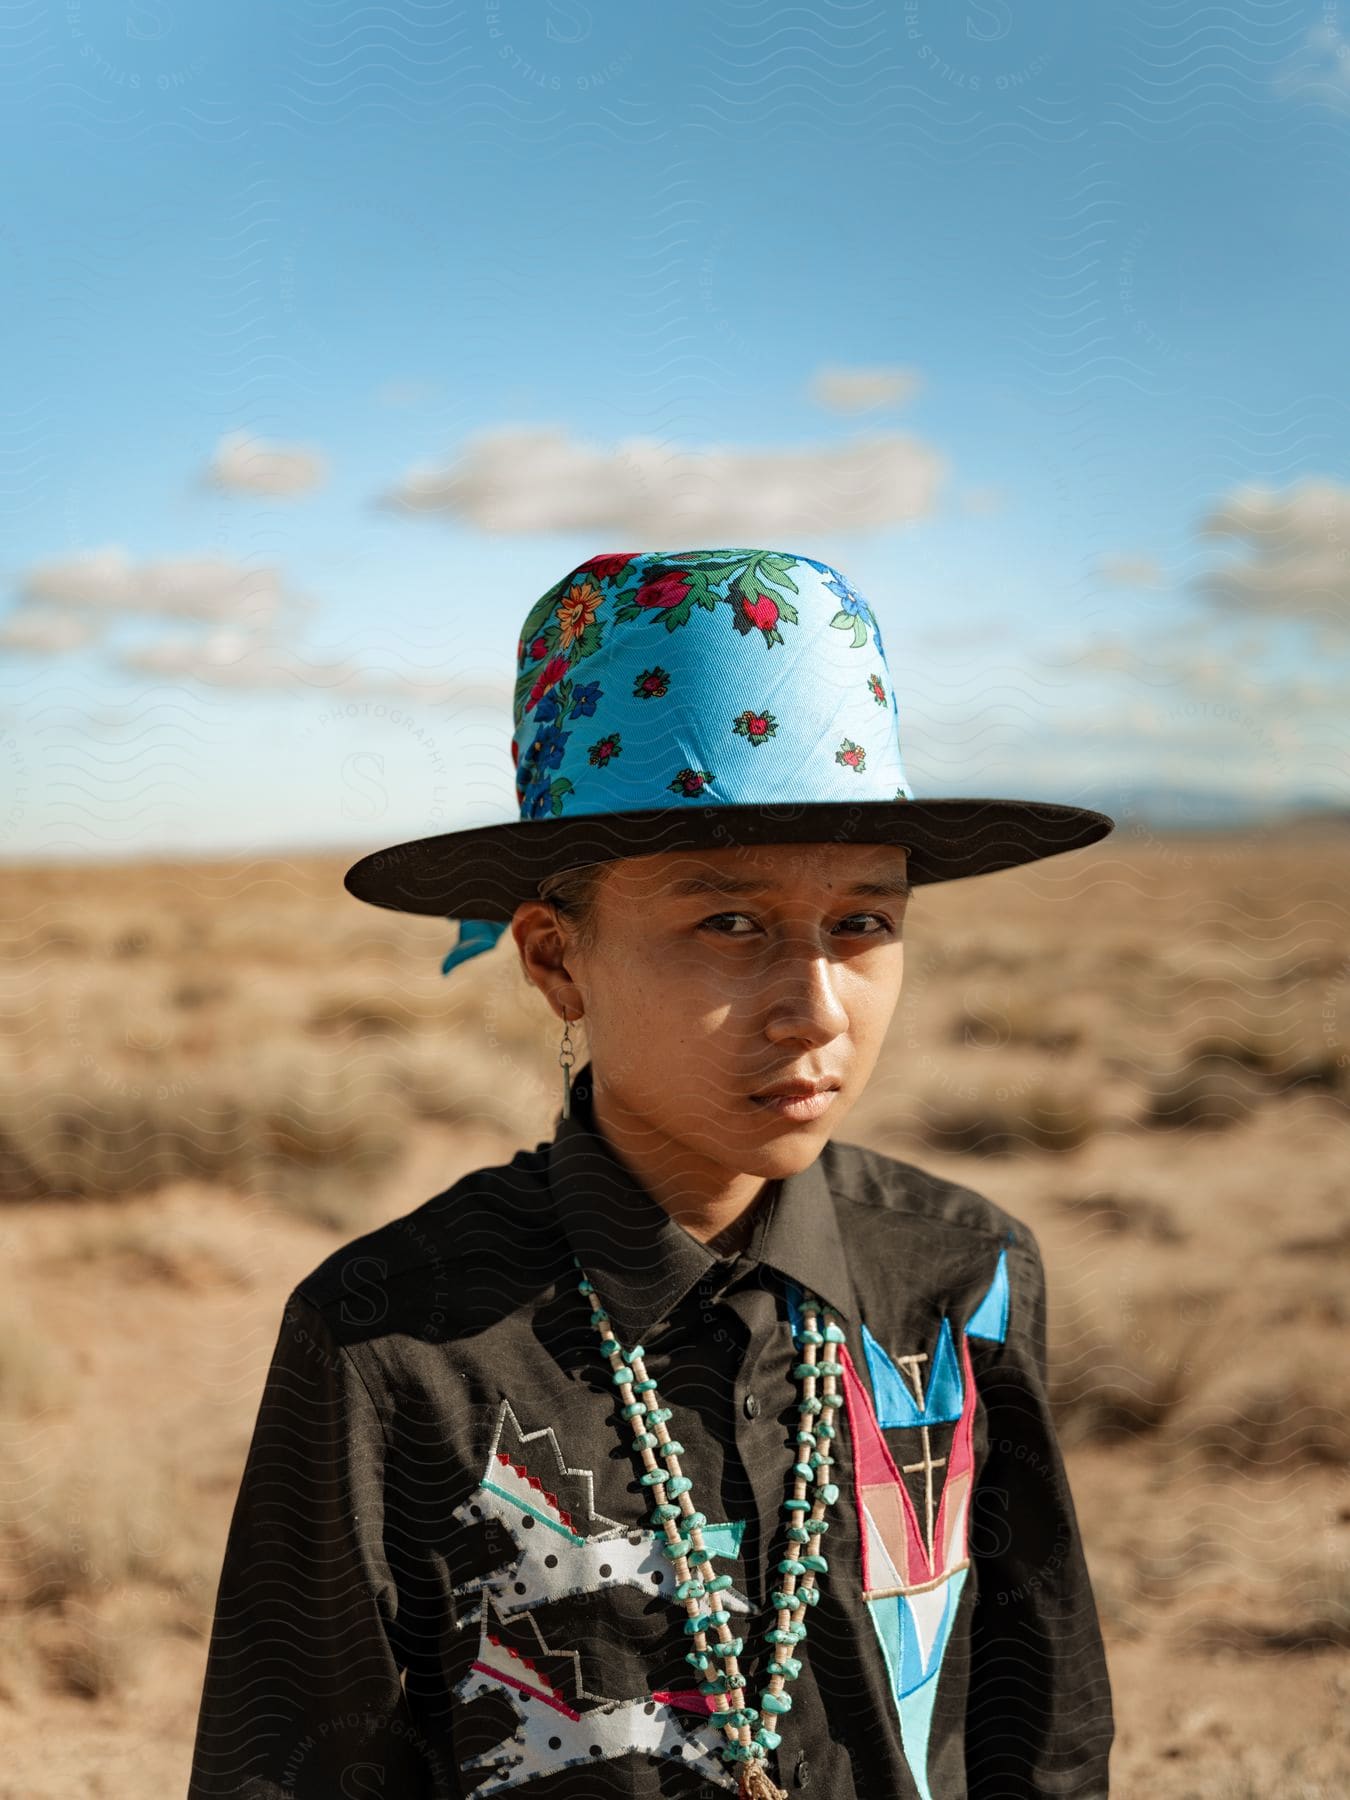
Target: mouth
pixel 800 1102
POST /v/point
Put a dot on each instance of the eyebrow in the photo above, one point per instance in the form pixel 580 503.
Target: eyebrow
pixel 883 887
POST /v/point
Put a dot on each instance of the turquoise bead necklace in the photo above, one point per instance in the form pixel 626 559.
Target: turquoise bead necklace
pixel 674 1512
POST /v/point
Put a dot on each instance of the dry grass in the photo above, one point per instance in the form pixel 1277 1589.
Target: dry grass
pixel 260 1039
pixel 88 1523
pixel 36 1376
pixel 138 1249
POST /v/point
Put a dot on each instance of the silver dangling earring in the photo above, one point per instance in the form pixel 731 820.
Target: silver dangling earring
pixel 566 1057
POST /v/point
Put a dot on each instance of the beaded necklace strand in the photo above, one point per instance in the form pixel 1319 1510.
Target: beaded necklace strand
pixel 791 1600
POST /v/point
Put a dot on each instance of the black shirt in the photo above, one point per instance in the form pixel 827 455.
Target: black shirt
pixel 441 1578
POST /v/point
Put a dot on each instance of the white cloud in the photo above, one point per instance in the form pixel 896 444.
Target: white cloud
pixel 245 465
pixel 1196 701
pixel 1309 509
pixel 1319 69
pixel 46 630
pixel 244 611
pixel 1206 699
pixel 1229 673
pixel 1185 709
pixel 856 390
pixel 1298 543
pixel 226 658
pixel 526 479
pixel 207 588
pixel 241 660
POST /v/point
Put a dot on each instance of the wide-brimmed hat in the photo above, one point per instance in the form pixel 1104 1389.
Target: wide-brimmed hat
pixel 694 699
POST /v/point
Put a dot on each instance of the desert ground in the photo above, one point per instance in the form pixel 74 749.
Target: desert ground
pixel 214 1073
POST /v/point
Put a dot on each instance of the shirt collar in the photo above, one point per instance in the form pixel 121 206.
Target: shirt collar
pixel 643 1262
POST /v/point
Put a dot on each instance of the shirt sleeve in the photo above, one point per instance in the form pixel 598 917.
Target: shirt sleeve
pixel 1039 1717
pixel 302 1695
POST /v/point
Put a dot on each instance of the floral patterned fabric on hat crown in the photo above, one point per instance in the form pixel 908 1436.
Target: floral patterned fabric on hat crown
pixel 712 677
pixel 669 678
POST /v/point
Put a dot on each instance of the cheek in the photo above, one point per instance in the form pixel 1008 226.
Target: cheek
pixel 685 983
pixel 874 1005
pixel 641 975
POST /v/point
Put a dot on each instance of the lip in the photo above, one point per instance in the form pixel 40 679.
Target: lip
pixel 797 1102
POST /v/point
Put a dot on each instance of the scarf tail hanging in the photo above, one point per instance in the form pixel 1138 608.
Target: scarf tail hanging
pixel 475 936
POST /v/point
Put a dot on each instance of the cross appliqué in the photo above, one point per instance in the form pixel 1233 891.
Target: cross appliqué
pixel 928 1462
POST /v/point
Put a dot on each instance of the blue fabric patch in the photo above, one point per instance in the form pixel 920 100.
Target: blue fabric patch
pixel 893 1394
pixel 990 1318
pixel 916 1705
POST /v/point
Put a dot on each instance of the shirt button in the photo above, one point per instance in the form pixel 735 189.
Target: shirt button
pixel 803 1772
pixel 751 1406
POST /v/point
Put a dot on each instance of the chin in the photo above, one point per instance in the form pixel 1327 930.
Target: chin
pixel 793 1152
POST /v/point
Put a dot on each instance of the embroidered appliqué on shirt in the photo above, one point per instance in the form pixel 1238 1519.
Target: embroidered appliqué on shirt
pixel 561 1723
pixel 990 1318
pixel 897 1399
pixel 913 1572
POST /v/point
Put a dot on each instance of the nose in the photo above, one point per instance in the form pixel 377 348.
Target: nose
pixel 800 993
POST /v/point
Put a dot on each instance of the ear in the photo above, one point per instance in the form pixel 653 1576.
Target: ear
pixel 542 945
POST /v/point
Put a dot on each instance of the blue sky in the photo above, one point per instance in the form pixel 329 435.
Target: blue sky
pixel 1074 276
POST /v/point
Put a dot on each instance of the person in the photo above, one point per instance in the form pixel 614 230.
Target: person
pixel 698 1449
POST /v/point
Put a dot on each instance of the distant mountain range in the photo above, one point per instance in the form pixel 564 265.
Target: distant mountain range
pixel 1207 809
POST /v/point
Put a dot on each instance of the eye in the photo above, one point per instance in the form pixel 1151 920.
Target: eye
pixel 881 919
pixel 712 924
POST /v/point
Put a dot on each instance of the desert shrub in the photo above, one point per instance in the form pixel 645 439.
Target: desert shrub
pixel 1205 1093
pixel 1002 1120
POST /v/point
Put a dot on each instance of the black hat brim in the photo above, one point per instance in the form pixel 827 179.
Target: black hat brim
pixel 488 871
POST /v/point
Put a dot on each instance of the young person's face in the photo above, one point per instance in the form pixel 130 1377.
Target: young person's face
pixel 718 973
